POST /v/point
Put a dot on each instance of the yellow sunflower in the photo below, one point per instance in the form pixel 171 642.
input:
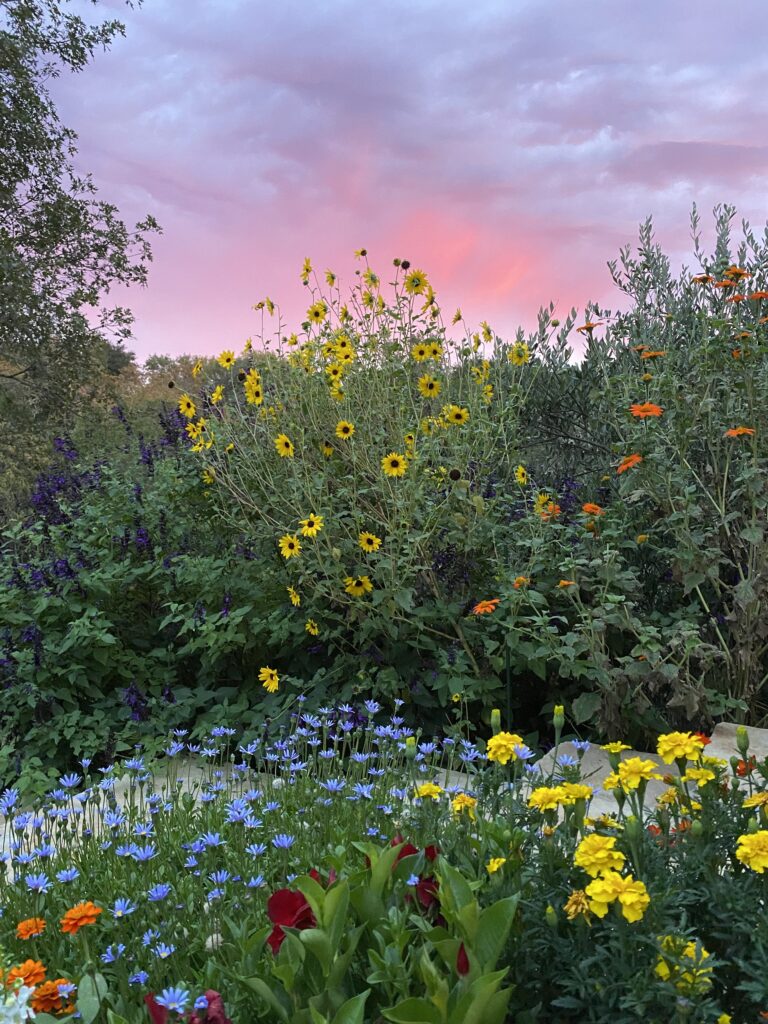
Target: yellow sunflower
pixel 311 526
pixel 197 368
pixel 217 394
pixel 519 354
pixel 521 475
pixel 284 446
pixel 317 312
pixel 357 586
pixel 429 386
pixel 290 546
pixel 269 679
pixel 420 353
pixel 369 541
pixel 416 282
pixel 344 430
pixel 456 415
pixel 312 627
pixel 394 464
pixel 295 596
pixel 186 407
pixel 226 359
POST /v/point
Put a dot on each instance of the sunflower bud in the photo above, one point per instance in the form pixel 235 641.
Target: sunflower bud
pixel 555 323
pixel 496 721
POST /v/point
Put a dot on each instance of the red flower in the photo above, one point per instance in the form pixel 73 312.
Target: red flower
pixel 746 767
pixel 654 830
pixel 462 961
pixel 215 1014
pixel 426 892
pixel 407 850
pixel 157 1013
pixel 288 909
pixel 706 740
pixel 431 851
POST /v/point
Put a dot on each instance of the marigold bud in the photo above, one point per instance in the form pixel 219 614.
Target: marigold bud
pixel 551 915
pixel 742 740
pixel 410 748
pixel 558 717
pixel 496 721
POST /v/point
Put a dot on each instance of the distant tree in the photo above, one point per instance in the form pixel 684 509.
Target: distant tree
pixel 61 247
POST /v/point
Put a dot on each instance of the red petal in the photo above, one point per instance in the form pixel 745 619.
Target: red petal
pixel 158 1014
pixel 430 852
pixel 462 961
pixel 284 905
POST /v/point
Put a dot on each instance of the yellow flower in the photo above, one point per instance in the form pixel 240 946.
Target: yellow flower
pixel 495 864
pixel 577 904
pixel 209 476
pixel 487 332
pixel 326 449
pixel 284 446
pixel 456 415
pixel 369 541
pixel 428 790
pixel 611 781
pixel 634 770
pixel 194 430
pixel 519 354
pixel 563 584
pixel 545 798
pixel 641 538
pixel 501 747
pixel 253 393
pixel 306 270
pixel 269 679
pixel 615 747
pixel 317 312
pixel 293 340
pixel 357 586
pixel 632 896
pixel 677 745
pixel 757 800
pixel 186 407
pixel 330 278
pixel 597 854
pixel 419 353
pixel 415 283
pixel 752 850
pixel 488 393
pixel 687 971
pixel 217 394
pixel 573 791
pixel 344 430
pixel 335 371
pixel 464 802
pixel 294 596
pixel 435 350
pixel 226 359
pixel 311 526
pixel 429 386
pixel 394 464
pixel 371 279
pixel 290 546
pixel 312 627
pixel 456 317
pixel 701 776
pixel 196 369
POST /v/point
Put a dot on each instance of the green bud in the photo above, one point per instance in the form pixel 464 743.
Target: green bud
pixel 496 721
pixel 632 828
pixel 697 829
pixel 555 323
pixel 742 740
pixel 753 826
pixel 551 916
pixel 410 748
pixel 558 717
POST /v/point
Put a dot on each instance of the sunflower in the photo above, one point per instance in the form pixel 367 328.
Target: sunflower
pixel 295 596
pixel 435 350
pixel 226 360
pixel 519 354
pixel 457 316
pixel 420 353
pixel 317 312
pixel 371 279
pixel 521 475
pixel 311 526
pixel 290 546
pixel 269 679
pixel 429 386
pixel 253 393
pixel 369 541
pixel 270 305
pixel 196 369
pixel 415 283
pixel 217 394
pixel 330 278
pixel 394 464
pixel 209 476
pixel 186 407
pixel 344 430
pixel 456 415
pixel 284 446
pixel 357 586
pixel 311 627
pixel 342 343
pixel 326 449
pixel 347 356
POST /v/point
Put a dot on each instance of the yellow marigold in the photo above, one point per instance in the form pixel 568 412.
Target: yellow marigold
pixel 577 905
pixel 673 746
pixel 463 802
pixel 752 851
pixel 283 446
pixel 290 546
pixel 573 791
pixel 357 586
pixel 615 747
pixel 394 464
pixel 635 770
pixel 701 776
pixel 597 854
pixel 684 964
pixel 546 798
pixel 269 679
pixel 610 887
pixel 501 747
pixel 429 790
pixel 757 800
pixel 495 864
pixel 369 542
pixel 226 359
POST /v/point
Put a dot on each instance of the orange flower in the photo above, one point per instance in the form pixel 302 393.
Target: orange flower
pixel 758 295
pixel 550 511
pixel 29 928
pixel 79 916
pixel 646 409
pixel 734 271
pixel 763 320
pixel 743 334
pixel 736 298
pixel 725 284
pixel 48 999
pixel 736 353
pixel 629 462
pixel 649 354
pixel 592 509
pixel 31 973
pixel 566 583
pixel 485 607
pixel 521 581
pixel 740 432
pixel 639 348
pixel 703 278
pixel 588 326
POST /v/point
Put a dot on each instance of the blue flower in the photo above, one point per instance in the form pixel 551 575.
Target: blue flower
pixel 220 877
pixel 364 790
pixel 163 950
pixel 256 849
pixel 255 882
pixel 371 706
pixel 283 841
pixel 213 839
pixel 581 746
pixel 122 908
pixel 67 874
pixel 334 785
pixel 114 819
pixel 201 1003
pixel 8 800
pixel 272 805
pixel 413 880
pixel 149 936
pixel 237 810
pixel 190 862
pixel 139 978
pixel 174 748
pixel 222 730
pixel 125 849
pixel 158 892
pixel 38 883
pixel 144 853
pixel 173 999
pixel 144 831
pixel 70 781
pixel 113 952
pixel 215 894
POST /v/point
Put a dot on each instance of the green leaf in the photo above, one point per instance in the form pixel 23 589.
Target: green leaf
pixel 453 884
pixel 91 992
pixel 112 1018
pixel 493 931
pixel 352 1011
pixel 265 992
pixel 585 707
pixel 413 1011
pixel 752 534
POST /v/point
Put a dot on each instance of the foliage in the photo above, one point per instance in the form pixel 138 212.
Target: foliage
pixel 338 871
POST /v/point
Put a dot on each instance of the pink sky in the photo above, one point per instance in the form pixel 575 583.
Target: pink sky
pixel 508 148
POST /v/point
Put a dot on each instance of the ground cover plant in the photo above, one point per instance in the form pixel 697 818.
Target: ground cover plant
pixel 351 870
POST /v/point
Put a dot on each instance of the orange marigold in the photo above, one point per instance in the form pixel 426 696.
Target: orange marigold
pixel 588 326
pixel 31 973
pixel 703 278
pixel 740 432
pixel 521 581
pixel 485 607
pixel 645 409
pixel 629 462
pixel 758 295
pixel 48 999
pixel 79 916
pixel 30 927
pixel 592 509
pixel 725 284
pixel 653 353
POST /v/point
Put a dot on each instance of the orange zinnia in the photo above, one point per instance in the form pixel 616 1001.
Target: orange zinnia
pixel 567 583
pixel 703 278
pixel 740 432
pixel 485 607
pixel 734 271
pixel 48 999
pixel 639 348
pixel 736 298
pixel 587 326
pixel 521 581
pixel 758 295
pixel 29 928
pixel 31 973
pixel 725 284
pixel 592 509
pixel 653 354
pixel 629 462
pixel 646 409
pixel 550 511
pixel 79 916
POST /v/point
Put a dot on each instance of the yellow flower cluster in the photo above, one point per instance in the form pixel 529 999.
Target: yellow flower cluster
pixel 546 798
pixel 501 747
pixel 683 963
pixel 598 856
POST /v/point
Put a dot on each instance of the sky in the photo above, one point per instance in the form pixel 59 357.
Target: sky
pixel 508 148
